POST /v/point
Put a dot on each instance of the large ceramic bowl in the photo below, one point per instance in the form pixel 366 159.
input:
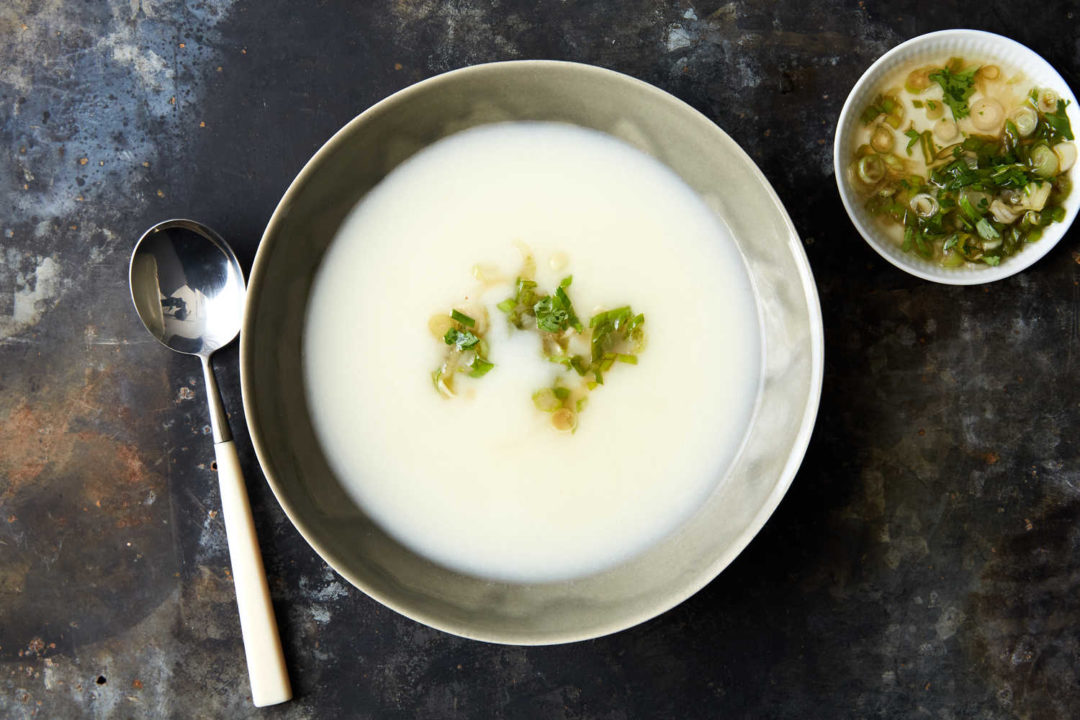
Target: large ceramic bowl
pixel 349 165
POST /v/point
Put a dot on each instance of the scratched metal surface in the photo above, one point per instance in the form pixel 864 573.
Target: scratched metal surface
pixel 925 563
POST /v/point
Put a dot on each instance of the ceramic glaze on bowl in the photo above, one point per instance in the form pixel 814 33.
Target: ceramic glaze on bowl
pixel 481 482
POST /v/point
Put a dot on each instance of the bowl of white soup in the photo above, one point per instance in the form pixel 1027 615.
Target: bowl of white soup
pixel 531 352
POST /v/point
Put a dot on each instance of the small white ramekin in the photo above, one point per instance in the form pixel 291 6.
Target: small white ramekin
pixel 969 44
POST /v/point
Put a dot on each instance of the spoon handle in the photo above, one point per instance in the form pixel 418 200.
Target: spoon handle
pixel 262 645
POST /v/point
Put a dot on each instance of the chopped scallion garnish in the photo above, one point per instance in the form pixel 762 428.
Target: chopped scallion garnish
pixel 462 318
pixel 480 367
pixel 467 350
pixel 981 198
pixel 612 336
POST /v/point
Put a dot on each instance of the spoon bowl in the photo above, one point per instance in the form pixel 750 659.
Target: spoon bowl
pixel 187 287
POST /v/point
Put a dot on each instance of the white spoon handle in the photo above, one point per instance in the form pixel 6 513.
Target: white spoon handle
pixel 262 645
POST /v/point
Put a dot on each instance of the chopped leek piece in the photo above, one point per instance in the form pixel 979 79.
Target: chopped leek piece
pixel 986 230
pixel 462 318
pixel 545 400
pixel 965 205
pixel 480 367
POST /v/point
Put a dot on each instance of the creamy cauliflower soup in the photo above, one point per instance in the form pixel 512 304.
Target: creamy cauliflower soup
pixel 531 352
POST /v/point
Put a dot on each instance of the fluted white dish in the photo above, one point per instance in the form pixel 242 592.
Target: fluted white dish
pixel 921 49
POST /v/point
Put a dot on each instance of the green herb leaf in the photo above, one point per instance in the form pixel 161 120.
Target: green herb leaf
pixel 914 137
pixel 957 88
pixel 1059 121
pixel 507 305
pixel 548 317
pixel 555 313
pixel 463 339
pixel 564 303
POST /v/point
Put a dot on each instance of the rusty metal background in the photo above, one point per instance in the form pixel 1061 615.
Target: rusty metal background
pixel 925 563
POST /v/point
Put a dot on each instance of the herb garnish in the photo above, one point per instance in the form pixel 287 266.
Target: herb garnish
pixel 982 198
pixel 886 105
pixel 555 313
pixel 611 336
pixel 462 339
pixel 957 85
pixel 586 353
pixel 1059 122
pixel 613 333
pixel 466 349
pixel 462 318
pixel 924 139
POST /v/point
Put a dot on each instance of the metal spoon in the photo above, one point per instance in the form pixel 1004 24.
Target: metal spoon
pixel 189 292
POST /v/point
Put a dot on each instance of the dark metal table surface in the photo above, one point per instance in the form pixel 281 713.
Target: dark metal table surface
pixel 924 564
